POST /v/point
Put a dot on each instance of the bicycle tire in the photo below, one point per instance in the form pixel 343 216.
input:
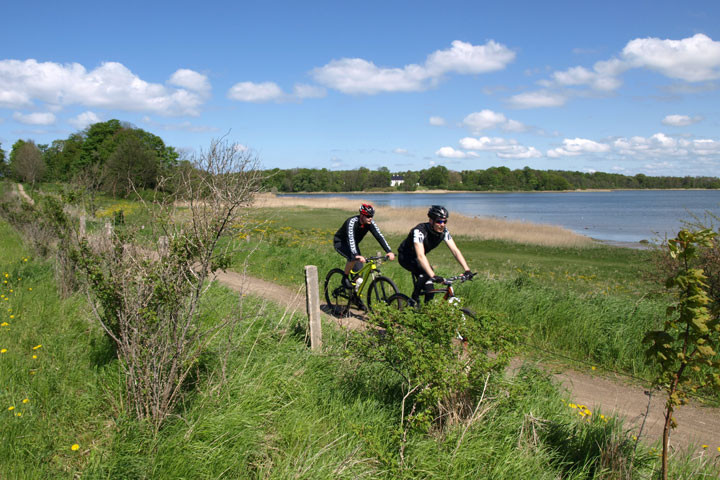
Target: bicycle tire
pixel 380 289
pixel 337 295
pixel 400 301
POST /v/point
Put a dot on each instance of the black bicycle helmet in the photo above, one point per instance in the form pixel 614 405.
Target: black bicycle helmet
pixel 438 211
pixel 367 210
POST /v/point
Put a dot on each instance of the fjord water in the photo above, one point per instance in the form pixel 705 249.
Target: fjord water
pixel 614 216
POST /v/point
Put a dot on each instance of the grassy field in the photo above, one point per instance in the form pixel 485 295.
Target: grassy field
pixel 284 412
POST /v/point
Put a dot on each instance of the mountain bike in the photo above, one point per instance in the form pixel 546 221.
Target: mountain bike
pixel 402 301
pixel 341 295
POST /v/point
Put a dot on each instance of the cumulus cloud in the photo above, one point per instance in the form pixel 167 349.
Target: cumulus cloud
pixel 37 118
pixel 437 121
pixel 660 145
pixel 577 146
pixel 487 119
pixel 271 92
pixel 84 119
pixel 255 92
pixel 539 98
pixel 680 120
pixel 190 80
pixel 450 152
pixel 360 76
pixel 503 148
pixel 111 85
pixel 692 59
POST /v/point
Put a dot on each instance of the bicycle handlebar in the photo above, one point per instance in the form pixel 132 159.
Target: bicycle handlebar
pixel 461 278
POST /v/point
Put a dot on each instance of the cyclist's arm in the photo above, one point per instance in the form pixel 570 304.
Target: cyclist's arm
pixel 457 254
pixel 422 259
pixel 381 239
pixel 351 239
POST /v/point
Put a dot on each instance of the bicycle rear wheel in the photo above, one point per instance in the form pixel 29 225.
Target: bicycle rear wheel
pixel 337 295
pixel 380 290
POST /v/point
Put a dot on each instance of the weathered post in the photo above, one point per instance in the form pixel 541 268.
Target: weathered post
pixel 83 226
pixel 313 306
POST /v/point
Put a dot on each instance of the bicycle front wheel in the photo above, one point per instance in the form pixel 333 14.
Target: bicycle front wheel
pixel 400 301
pixel 380 290
pixel 337 295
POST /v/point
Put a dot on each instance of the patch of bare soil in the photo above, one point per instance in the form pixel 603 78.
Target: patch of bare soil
pixel 697 425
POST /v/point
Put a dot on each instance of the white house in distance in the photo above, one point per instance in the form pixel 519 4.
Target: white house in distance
pixel 396 180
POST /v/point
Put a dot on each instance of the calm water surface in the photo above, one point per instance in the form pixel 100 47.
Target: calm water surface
pixel 617 216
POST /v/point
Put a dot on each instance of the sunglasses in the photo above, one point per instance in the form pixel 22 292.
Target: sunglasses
pixel 441 220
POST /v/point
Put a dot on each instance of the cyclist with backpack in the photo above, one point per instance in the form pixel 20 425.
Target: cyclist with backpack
pixel 351 233
pixel 412 253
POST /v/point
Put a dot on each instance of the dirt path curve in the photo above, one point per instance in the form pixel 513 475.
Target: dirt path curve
pixel 24 195
pixel 697 425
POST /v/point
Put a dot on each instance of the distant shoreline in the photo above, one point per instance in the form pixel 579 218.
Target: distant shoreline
pixel 432 192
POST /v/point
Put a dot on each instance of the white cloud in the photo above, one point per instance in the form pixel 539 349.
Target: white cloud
pixel 603 77
pixel 692 59
pixel 309 91
pixel 465 58
pixel 450 152
pixel 401 151
pixel 486 143
pixel 191 80
pixel 84 119
pixel 437 121
pixel 360 76
pixel 539 98
pixel 34 118
pixel 660 145
pixel 503 148
pixel 680 120
pixel 255 92
pixel 577 146
pixel 111 85
pixel 487 119
pixel 520 151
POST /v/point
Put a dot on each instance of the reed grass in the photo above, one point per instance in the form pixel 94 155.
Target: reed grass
pixel 401 220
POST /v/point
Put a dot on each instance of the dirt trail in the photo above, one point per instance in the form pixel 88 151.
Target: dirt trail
pixel 697 425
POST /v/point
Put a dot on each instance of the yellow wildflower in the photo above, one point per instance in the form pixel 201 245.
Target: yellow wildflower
pixel 18 414
pixel 592 368
pixel 36 347
pixel 4 324
pixel 34 357
pixel 704 446
pixel 74 447
pixel 4 350
pixel 26 400
pixel 11 407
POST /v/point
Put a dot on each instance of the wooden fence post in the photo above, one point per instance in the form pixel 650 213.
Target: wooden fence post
pixel 313 306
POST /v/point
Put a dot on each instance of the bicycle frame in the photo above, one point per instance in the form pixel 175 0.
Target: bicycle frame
pixel 369 270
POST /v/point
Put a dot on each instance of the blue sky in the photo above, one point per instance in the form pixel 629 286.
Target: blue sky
pixel 624 87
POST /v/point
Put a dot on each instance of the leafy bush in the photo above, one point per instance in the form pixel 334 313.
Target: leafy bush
pixel 442 377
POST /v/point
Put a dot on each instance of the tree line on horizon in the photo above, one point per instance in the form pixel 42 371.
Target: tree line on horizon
pixel 116 156
pixel 490 179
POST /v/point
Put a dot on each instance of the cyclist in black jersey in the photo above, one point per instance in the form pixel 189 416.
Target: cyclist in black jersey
pixel 349 236
pixel 420 241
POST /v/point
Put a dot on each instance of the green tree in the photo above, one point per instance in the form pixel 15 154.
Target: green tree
pixel 3 164
pixel 131 164
pixel 26 162
pixel 435 177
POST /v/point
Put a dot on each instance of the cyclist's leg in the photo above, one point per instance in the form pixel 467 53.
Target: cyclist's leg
pixel 349 262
